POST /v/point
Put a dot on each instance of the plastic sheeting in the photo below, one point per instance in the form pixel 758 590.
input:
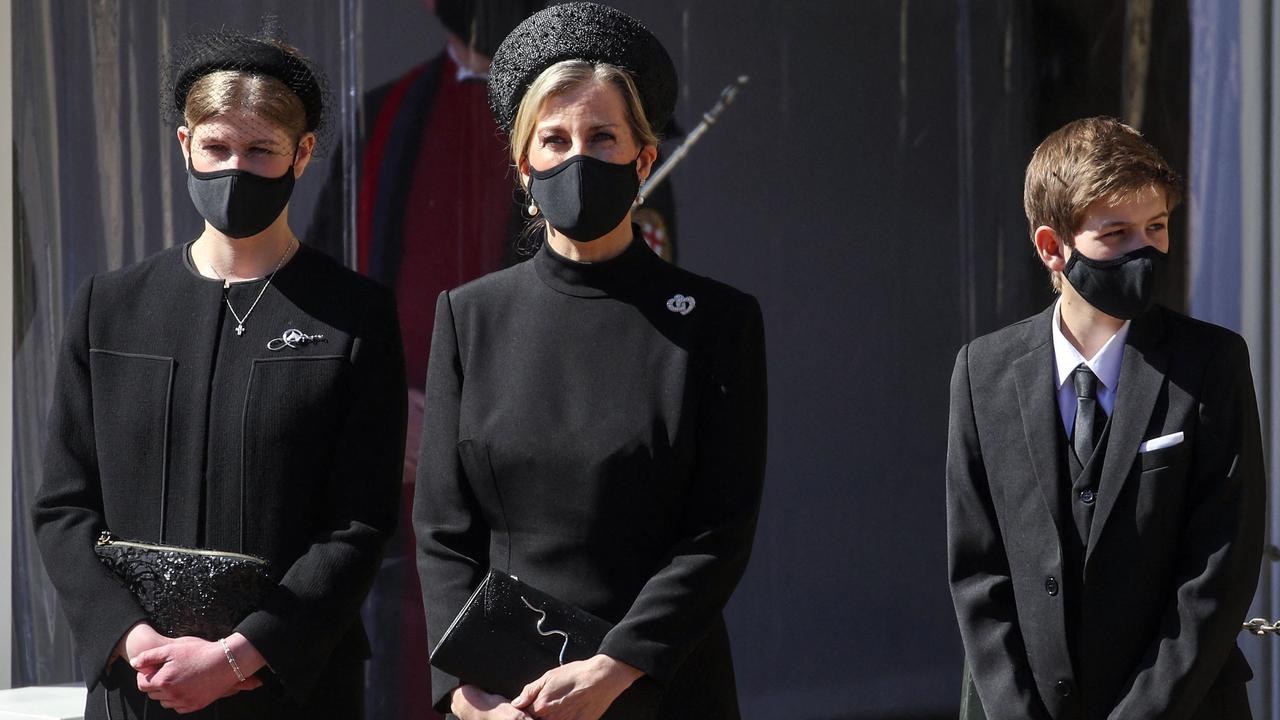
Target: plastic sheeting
pixel 866 186
pixel 1235 236
pixel 1214 177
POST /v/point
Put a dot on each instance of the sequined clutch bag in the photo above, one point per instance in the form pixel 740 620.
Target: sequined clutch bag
pixel 184 591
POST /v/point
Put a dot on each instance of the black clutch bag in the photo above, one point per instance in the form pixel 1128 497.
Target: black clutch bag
pixel 184 591
pixel 509 634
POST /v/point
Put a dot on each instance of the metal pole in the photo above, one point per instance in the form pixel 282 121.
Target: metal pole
pixel 350 92
pixel 1257 173
pixel 6 342
pixel 1270 387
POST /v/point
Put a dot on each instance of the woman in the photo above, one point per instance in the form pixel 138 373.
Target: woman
pixel 239 392
pixel 595 417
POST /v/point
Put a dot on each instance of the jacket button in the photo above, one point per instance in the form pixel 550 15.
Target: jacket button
pixel 1087 497
pixel 1064 688
pixel 1051 586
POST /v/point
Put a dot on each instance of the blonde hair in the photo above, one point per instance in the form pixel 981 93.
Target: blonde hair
pixel 226 91
pixel 1087 160
pixel 563 77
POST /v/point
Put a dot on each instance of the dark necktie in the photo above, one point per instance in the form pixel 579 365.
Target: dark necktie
pixel 1090 417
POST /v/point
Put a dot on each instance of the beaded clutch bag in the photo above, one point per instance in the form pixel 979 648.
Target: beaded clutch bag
pixel 185 591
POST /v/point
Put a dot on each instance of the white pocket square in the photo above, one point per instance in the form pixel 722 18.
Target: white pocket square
pixel 1163 441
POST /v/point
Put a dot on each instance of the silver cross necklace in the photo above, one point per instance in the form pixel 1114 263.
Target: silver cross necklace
pixel 226 288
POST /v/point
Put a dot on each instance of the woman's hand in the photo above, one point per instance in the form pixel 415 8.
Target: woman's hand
pixel 140 637
pixel 469 702
pixel 187 674
pixel 580 690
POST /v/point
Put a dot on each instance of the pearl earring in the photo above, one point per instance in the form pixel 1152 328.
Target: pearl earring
pixel 639 199
pixel 533 209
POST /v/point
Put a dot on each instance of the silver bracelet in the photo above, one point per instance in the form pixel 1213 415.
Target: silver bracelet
pixel 231 659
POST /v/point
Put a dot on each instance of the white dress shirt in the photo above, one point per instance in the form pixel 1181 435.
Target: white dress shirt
pixel 464 73
pixel 1105 364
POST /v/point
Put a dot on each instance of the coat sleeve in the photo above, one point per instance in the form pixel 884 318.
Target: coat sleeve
pixel 1221 551
pixel 319 596
pixel 453 540
pixel 67 514
pixel 981 584
pixel 678 605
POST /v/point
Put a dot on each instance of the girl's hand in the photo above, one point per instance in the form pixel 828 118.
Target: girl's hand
pixel 187 674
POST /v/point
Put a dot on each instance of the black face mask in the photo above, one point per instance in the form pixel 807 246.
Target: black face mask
pixel 1123 287
pixel 583 198
pixel 237 202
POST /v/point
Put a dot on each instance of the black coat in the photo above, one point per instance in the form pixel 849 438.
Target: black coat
pixel 584 435
pixel 166 426
pixel 1172 556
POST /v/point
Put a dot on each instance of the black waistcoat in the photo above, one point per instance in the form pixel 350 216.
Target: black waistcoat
pixel 1079 488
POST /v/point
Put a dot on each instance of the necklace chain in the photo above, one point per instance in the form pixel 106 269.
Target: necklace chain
pixel 226 288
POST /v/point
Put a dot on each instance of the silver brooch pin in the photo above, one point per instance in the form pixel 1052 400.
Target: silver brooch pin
pixel 683 304
pixel 293 338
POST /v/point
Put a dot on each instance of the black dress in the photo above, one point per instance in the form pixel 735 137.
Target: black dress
pixel 167 426
pixel 598 430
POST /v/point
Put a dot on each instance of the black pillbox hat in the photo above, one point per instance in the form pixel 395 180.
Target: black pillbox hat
pixel 582 31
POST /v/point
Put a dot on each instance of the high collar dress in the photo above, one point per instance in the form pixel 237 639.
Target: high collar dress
pixel 598 430
pixel 284 441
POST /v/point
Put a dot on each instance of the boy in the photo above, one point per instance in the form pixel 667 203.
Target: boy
pixel 1104 470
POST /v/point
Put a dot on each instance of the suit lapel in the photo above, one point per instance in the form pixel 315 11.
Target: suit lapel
pixel 1142 374
pixel 1038 403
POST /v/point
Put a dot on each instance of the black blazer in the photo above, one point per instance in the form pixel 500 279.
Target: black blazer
pixel 1173 555
pixel 586 435
pixel 166 426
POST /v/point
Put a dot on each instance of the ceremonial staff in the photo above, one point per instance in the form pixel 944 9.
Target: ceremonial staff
pixel 709 118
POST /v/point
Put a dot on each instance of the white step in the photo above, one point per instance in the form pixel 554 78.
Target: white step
pixel 42 703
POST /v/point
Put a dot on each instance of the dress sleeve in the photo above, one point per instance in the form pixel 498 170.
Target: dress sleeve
pixel 453 540
pixel 319 596
pixel 678 605
pixel 68 512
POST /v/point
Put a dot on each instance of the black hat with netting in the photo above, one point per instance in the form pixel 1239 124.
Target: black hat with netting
pixel 264 54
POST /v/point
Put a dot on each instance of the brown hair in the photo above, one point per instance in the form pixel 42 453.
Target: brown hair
pixel 226 91
pixel 1097 158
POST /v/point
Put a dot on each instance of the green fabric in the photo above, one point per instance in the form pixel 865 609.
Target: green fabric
pixel 970 704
